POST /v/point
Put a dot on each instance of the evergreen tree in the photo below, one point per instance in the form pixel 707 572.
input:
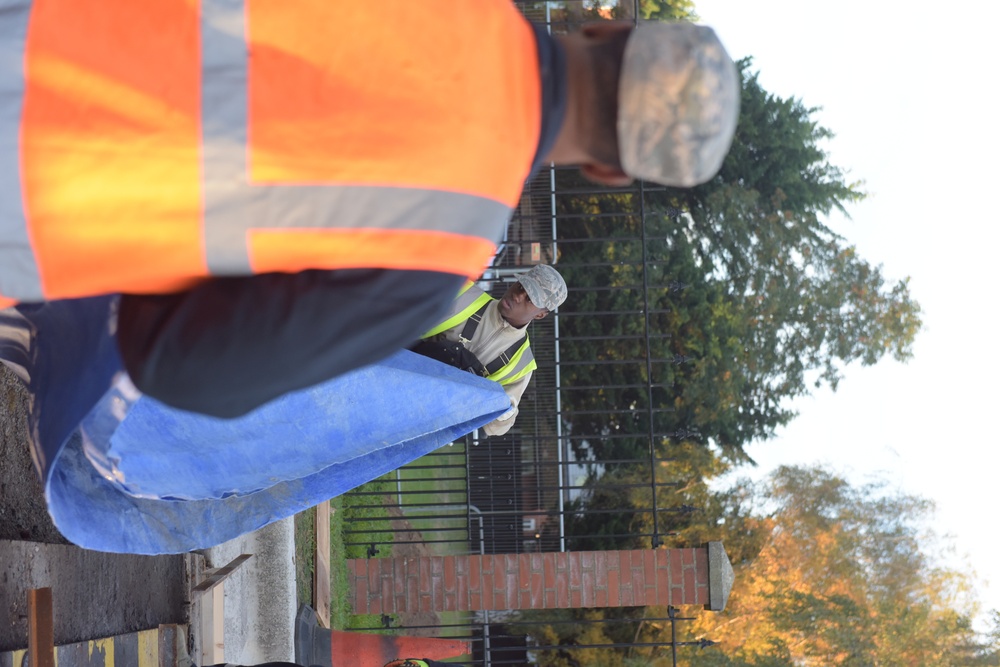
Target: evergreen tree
pixel 747 299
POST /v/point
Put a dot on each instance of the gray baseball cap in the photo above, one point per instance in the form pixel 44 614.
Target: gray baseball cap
pixel 544 286
pixel 678 102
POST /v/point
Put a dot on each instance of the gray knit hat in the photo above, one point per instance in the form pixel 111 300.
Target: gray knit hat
pixel 544 286
pixel 678 102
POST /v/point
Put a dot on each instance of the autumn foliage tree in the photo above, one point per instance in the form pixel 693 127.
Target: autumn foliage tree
pixel 844 575
pixel 827 573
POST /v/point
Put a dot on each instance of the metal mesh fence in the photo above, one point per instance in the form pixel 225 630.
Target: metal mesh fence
pixel 587 465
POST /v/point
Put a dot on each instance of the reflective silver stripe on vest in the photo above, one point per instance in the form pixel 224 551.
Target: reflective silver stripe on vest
pixel 526 359
pixel 465 300
pixel 224 132
pixel 19 276
pixel 233 207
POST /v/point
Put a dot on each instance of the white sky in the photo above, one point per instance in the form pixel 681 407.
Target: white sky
pixel 911 91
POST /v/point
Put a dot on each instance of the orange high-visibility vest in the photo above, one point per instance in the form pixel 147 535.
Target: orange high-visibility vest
pixel 148 145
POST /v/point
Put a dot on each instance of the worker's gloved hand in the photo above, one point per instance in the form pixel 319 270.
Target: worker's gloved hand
pixel 507 415
pixel 501 424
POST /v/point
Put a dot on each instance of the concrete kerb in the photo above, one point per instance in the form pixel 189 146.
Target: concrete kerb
pixel 260 596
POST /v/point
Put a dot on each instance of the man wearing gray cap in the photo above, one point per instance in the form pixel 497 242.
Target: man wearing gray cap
pixel 304 198
pixel 658 102
pixel 493 334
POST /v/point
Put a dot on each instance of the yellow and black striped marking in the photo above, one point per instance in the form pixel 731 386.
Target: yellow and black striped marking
pixel 148 648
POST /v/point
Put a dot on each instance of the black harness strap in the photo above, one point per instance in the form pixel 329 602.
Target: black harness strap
pixel 471 324
pixel 469 330
pixel 504 357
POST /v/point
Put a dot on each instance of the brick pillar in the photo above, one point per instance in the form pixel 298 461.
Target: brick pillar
pixel 582 579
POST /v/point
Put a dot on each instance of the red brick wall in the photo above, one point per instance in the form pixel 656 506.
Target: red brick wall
pixel 530 581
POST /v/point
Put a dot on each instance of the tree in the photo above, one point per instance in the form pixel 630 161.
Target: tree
pixel 654 10
pixel 815 303
pixel 845 575
pixel 827 573
pixel 694 324
pixel 776 303
pixel 696 315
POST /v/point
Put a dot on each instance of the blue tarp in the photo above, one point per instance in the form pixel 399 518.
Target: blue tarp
pixel 125 473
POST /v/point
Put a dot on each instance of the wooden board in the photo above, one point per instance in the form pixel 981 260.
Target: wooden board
pixel 216 576
pixel 41 631
pixel 321 570
pixel 213 628
pixel 213 612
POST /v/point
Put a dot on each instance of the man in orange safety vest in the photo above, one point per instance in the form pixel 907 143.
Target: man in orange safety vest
pixel 282 192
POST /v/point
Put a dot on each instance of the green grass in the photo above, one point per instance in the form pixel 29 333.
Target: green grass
pixel 367 519
pixel 340 611
pixel 305 550
pixel 424 491
pixel 368 515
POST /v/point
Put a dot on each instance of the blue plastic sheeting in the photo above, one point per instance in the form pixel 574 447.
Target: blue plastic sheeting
pixel 125 473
